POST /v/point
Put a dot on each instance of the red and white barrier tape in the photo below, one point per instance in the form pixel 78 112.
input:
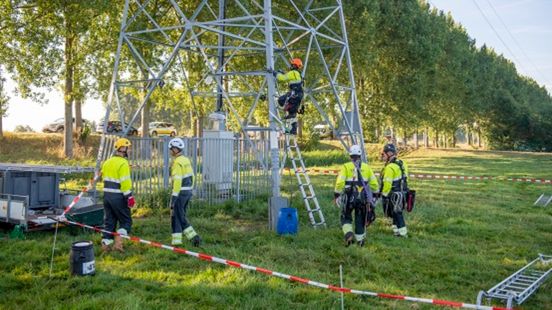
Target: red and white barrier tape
pixel 443 177
pixel 226 262
pixel 79 196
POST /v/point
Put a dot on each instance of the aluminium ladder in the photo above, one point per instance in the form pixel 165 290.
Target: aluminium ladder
pixel 310 200
pixel 520 285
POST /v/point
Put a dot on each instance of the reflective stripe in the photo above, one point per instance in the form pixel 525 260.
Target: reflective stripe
pixel 127 193
pixel 190 232
pixel 112 180
pixel 360 237
pixel 176 176
pixel 388 179
pixel 125 178
pixel 397 178
pixel 347 228
pixel 112 190
pixel 186 188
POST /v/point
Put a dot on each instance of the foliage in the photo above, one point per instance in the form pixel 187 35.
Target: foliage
pixel 23 128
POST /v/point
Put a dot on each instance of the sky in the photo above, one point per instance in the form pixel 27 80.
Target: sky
pixel 521 30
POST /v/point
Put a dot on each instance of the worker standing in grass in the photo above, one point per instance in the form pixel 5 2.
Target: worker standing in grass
pixel 291 101
pixel 182 175
pixel 394 188
pixel 351 194
pixel 118 197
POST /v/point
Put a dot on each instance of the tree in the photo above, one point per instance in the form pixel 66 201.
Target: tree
pixel 4 100
pixel 42 47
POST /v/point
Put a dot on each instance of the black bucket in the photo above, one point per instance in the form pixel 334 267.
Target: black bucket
pixel 82 261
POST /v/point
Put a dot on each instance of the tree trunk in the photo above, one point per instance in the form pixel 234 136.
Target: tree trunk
pixel 300 128
pixel 1 128
pixel 405 140
pixel 416 143
pixel 453 141
pixel 200 126
pixel 469 135
pixel 436 143
pixel 426 138
pixel 146 119
pixel 78 116
pixel 478 137
pixel 68 92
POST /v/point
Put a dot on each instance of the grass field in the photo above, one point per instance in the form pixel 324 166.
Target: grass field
pixel 464 236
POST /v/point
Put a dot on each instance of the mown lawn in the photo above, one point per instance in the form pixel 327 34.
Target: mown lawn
pixel 464 236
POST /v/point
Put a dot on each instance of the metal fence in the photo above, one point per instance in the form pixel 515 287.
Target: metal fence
pixel 224 168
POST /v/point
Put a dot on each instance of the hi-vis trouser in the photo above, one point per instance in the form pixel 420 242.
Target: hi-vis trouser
pixel 396 214
pixel 116 212
pixel 358 206
pixel 179 221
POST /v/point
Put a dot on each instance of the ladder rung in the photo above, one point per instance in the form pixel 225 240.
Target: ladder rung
pixel 309 197
pixel 531 278
pixel 314 210
pixel 517 287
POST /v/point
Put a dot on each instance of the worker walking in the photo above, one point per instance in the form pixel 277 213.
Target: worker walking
pixel 118 197
pixel 352 194
pixel 182 175
pixel 394 188
pixel 291 101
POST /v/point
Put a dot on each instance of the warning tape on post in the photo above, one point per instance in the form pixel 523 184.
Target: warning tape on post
pixel 268 272
pixel 442 176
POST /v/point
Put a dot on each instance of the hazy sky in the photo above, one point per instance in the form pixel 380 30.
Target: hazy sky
pixel 524 30
pixel 525 26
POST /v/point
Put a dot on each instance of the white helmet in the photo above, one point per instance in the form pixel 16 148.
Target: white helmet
pixel 355 150
pixel 177 143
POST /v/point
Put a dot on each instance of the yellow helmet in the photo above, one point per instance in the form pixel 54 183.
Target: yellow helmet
pixel 121 142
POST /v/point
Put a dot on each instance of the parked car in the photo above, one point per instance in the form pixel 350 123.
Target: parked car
pixel 59 125
pixel 161 129
pixel 56 126
pixel 323 131
pixel 115 127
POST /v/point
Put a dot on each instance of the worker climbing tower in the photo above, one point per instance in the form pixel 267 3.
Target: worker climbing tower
pixel 222 54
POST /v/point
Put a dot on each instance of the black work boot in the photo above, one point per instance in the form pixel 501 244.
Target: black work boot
pixel 196 241
pixel 348 238
pixel 293 130
pixel 360 243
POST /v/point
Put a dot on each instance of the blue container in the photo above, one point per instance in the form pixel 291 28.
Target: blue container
pixel 287 221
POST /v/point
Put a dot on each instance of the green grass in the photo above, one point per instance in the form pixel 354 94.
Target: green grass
pixel 465 236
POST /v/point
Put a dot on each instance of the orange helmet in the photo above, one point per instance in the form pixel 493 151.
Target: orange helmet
pixel 297 62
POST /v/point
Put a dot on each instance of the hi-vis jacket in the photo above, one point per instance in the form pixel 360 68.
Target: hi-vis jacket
pixel 182 175
pixel 348 176
pixel 116 176
pixel 293 77
pixel 391 176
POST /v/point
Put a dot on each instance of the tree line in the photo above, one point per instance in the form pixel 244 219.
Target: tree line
pixel 416 69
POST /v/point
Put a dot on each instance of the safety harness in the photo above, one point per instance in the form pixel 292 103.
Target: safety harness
pixel 353 196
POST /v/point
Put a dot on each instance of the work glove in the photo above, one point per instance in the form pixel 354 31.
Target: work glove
pixel 131 201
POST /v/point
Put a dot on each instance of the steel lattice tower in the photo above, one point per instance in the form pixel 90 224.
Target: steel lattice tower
pixel 222 52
